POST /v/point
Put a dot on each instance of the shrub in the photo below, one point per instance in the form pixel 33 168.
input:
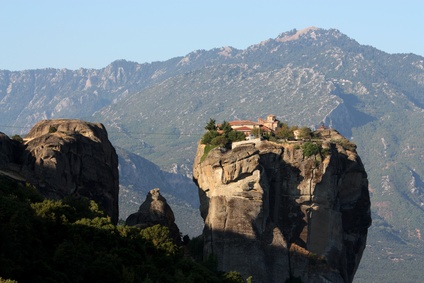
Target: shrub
pixel 284 132
pixel 17 138
pixel 233 277
pixel 221 141
pixel 7 281
pixel 310 149
pixel 209 136
pixel 272 138
pixel 257 132
pixel 305 133
pixel 236 136
pixel 159 236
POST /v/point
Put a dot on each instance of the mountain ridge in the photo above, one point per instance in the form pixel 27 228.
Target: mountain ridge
pixel 366 94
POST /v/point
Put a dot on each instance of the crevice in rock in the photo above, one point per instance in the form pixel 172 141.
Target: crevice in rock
pixel 241 177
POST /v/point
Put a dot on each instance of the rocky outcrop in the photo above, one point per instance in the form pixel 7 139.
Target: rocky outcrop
pixel 277 215
pixel 69 157
pixel 155 210
pixel 10 155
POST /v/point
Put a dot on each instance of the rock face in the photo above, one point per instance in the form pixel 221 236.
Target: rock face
pixel 277 215
pixel 10 157
pixel 155 210
pixel 68 157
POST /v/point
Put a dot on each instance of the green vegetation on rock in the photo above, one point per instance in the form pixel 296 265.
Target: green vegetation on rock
pixel 222 138
pixel 310 148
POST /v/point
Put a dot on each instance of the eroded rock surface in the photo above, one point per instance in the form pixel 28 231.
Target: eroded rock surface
pixel 273 213
pixel 68 157
pixel 155 210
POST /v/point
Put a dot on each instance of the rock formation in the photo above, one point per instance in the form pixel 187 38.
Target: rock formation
pixel 155 210
pixel 277 215
pixel 67 157
pixel 10 151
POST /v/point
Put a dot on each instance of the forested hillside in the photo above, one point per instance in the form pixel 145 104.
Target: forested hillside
pixel 71 240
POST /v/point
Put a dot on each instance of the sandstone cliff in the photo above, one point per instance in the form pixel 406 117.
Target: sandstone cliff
pixel 155 210
pixel 66 157
pixel 277 215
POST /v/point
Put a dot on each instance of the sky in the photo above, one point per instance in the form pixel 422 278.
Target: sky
pixel 77 34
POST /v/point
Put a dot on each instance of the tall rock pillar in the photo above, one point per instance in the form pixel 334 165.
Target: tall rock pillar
pixel 274 214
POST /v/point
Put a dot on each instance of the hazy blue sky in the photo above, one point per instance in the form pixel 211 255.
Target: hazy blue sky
pixel 93 33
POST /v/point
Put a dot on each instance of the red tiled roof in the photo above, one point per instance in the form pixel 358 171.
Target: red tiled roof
pixel 242 122
pixel 243 129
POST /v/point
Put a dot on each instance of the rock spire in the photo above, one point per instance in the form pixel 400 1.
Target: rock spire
pixel 275 214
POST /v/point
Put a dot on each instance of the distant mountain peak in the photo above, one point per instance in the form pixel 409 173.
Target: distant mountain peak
pixel 225 51
pixel 295 34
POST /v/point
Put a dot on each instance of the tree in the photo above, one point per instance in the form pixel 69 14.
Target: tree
pixel 225 128
pixel 36 247
pixel 233 277
pixel 159 236
pixel 220 141
pixel 257 132
pixel 236 136
pixel 211 125
pixel 209 136
pixel 305 133
pixel 284 132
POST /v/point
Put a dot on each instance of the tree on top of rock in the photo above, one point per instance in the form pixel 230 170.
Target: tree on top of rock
pixel 211 125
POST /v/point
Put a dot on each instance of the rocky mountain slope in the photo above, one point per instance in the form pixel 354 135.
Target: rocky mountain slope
pixel 304 77
pixel 279 215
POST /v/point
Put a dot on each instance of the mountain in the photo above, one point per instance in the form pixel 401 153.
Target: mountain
pixel 305 77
